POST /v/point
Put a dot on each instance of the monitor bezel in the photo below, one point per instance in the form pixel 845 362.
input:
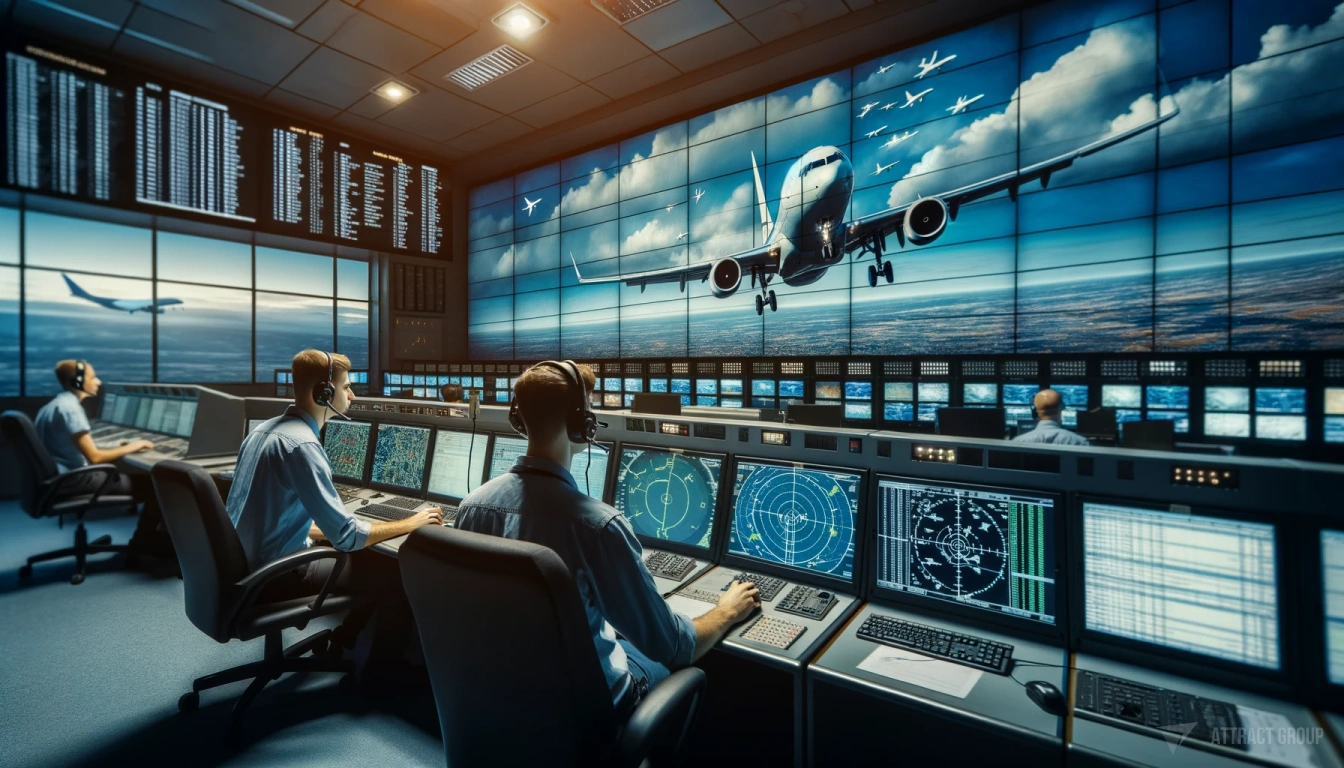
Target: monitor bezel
pixel 418 492
pixel 1274 682
pixel 858 574
pixel 363 479
pixel 716 529
pixel 1316 670
pixel 429 465
pixel 1004 622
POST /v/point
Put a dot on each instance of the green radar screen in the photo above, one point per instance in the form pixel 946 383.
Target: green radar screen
pixel 668 496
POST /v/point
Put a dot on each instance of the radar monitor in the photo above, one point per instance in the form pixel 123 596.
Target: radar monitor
pixel 1200 584
pixel 669 495
pixel 347 447
pixel 399 456
pixel 1332 578
pixel 797 516
pixel 978 546
pixel 459 462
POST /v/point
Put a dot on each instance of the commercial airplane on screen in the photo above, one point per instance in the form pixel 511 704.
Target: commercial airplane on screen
pixel 932 64
pixel 868 108
pixel 894 140
pixel 881 169
pixel 963 103
pixel 884 69
pixel 699 193
pixel 889 105
pixel 911 99
pixel 531 204
pixel 155 306
pixel 808 234
pixel 871 134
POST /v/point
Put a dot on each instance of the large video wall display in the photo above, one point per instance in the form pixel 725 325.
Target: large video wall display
pixel 1082 176
pixel 112 135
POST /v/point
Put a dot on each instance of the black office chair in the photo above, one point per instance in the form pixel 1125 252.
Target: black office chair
pixel 221 594
pixel 48 492
pixel 512 663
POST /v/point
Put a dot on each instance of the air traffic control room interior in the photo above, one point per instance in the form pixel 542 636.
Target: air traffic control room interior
pixel 672 383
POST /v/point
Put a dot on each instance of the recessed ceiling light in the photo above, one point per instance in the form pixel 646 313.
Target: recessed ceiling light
pixel 520 21
pixel 395 92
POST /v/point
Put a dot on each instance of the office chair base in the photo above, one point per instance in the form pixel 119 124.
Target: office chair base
pixel 82 549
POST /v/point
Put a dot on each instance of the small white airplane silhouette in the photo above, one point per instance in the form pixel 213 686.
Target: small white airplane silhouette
pixel 531 204
pixel 682 235
pixel 868 108
pixel 871 134
pixel 889 105
pixel 883 70
pixel 699 193
pixel 894 140
pixel 932 64
pixel 963 103
pixel 884 168
pixel 911 99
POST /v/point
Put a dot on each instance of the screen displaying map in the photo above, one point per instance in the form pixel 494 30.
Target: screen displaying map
pixel 399 456
pixel 347 446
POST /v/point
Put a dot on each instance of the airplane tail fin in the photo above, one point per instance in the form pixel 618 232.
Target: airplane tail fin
pixel 75 289
pixel 766 223
pixel 577 274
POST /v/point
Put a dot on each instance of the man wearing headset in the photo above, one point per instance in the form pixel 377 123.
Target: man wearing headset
pixel 538 501
pixel 283 498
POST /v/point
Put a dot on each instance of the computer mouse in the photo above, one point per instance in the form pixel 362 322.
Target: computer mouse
pixel 363 502
pixel 1046 696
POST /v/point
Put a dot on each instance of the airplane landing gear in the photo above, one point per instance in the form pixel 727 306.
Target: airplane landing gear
pixel 882 268
pixel 768 300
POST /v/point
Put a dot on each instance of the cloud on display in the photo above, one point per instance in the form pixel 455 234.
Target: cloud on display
pixel 727 228
pixel 826 92
pixel 731 120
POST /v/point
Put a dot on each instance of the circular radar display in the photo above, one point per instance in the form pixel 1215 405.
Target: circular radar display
pixel 798 517
pixel 668 496
pixel 960 548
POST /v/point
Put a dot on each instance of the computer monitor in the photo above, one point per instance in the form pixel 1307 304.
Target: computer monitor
pixel 1019 394
pixel 399 456
pixel 669 496
pixel 1098 423
pixel 763 387
pixel 589 470
pixel 987 548
pixel 650 402
pixel 1149 435
pixel 797 516
pixel 1121 395
pixel 970 422
pixel 459 462
pixel 108 406
pixel 1200 584
pixel 858 411
pixel 347 447
pixel 979 393
pixel 505 453
pixel 124 413
pixel 816 415
pixel 252 424
pixel 1332 580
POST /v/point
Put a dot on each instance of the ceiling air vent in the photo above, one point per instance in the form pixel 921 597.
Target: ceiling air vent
pixel 490 67
pixel 626 11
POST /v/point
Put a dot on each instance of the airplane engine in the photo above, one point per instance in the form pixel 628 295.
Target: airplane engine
pixel 725 277
pixel 925 221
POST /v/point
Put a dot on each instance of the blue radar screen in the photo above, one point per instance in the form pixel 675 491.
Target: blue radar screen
pixel 668 496
pixel 795 516
pixel 399 456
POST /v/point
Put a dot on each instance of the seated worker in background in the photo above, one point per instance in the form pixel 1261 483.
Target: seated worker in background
pixel 538 501
pixel 1049 409
pixel 283 497
pixel 63 428
pixel 452 393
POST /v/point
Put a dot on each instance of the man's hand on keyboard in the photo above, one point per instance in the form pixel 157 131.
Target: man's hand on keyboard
pixel 739 600
pixel 138 445
pixel 431 516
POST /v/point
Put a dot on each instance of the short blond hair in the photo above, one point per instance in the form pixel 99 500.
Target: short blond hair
pixel 310 369
pixel 544 398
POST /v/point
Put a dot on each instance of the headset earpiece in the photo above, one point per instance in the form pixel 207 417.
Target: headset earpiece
pixel 78 381
pixel 580 421
pixel 324 391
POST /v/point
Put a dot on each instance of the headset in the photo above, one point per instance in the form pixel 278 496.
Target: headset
pixel 77 381
pixel 580 422
pixel 324 391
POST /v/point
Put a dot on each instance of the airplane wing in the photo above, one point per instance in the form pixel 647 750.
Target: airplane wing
pixel 862 230
pixel 760 256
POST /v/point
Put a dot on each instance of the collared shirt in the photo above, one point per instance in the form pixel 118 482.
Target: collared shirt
pixel 57 424
pixel 538 501
pixel 281 486
pixel 1050 431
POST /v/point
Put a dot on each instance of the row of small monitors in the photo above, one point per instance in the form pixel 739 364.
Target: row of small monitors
pixel 969 549
pixel 163 414
pixel 287 377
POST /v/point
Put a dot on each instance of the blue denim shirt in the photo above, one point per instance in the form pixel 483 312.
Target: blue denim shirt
pixel 538 501
pixel 1050 431
pixel 281 486
pixel 57 424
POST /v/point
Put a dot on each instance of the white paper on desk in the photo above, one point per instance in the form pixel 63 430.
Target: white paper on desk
pixel 1271 736
pixel 689 607
pixel 924 671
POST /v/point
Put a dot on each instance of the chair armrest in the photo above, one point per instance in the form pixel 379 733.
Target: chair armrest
pixel 667 710
pixel 108 472
pixel 252 583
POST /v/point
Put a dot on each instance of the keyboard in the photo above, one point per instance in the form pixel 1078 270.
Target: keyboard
pixel 386 512
pixel 1157 711
pixel 766 585
pixel 964 649
pixel 669 565
pixel 772 631
pixel 808 602
pixel 401 502
pixel 449 514
pixel 703 595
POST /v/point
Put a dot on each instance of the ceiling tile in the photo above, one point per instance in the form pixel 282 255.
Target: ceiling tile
pixel 286 13
pixel 648 71
pixel 855 5
pixel 326 20
pixel 501 130
pixel 437 115
pixel 380 44
pixel 91 22
pixel 333 78
pixel 793 16
pixel 469 48
pixel 371 106
pixel 301 104
pixel 583 43
pixel 527 85
pixel 269 53
pixel 677 22
pixel 420 18
pixel 710 47
pixel 563 106
pixel 740 9
pixel 185 67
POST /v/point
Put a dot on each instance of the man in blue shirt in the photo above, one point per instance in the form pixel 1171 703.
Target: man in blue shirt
pixel 1049 409
pixel 538 501
pixel 283 498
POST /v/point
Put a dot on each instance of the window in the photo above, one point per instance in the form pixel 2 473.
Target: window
pixel 293 272
pixel 63 242
pixel 60 325
pixel 352 332
pixel 191 259
pixel 9 331
pixel 287 325
pixel 209 338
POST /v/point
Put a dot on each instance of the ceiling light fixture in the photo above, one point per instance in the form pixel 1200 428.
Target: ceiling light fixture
pixel 520 21
pixel 394 91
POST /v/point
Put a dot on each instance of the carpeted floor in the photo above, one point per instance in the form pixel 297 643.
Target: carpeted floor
pixel 91 674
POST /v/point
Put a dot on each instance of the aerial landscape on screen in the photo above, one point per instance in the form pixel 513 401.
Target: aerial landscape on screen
pixel 1087 175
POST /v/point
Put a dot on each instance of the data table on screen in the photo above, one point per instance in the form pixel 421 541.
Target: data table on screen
pixel 589 470
pixel 505 454
pixel 1204 585
pixel 1332 578
pixel 459 462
